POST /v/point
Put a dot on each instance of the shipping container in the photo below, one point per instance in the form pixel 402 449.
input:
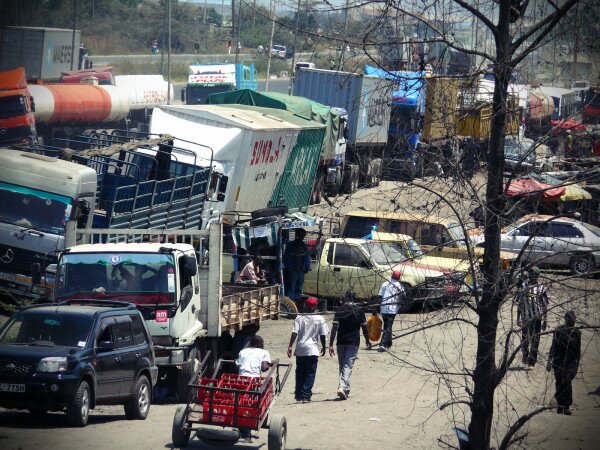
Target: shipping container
pixel 250 148
pixel 366 99
pixel 44 52
pixel 295 185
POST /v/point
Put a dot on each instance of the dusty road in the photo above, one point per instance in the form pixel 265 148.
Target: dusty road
pixel 392 405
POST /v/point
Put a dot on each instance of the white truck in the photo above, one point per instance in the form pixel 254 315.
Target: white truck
pixel 174 278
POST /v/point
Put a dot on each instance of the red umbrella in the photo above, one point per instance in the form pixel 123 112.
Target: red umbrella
pixel 569 124
pixel 529 187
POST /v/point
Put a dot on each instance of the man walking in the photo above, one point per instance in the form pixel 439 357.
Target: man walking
pixel 392 294
pixel 349 319
pixel 564 356
pixel 296 262
pixel 532 310
pixel 308 328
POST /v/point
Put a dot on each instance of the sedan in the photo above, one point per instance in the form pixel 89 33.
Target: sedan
pixel 554 242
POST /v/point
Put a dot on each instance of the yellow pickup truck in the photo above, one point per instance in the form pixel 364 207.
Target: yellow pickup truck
pixel 363 265
pixel 437 236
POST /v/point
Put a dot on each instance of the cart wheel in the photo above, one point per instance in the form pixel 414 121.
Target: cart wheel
pixel 179 436
pixel 277 432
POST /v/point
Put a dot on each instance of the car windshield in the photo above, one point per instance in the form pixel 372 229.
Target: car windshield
pixel 457 232
pixel 34 209
pixel 35 329
pixel 519 149
pixel 140 278
pixel 595 230
pixel 384 253
pixel 12 106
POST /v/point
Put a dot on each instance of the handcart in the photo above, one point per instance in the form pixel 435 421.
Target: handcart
pixel 218 407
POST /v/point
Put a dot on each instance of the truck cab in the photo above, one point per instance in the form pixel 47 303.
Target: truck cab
pixel 39 196
pixel 17 123
pixel 212 78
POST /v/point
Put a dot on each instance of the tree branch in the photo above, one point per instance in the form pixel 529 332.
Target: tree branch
pixel 507 441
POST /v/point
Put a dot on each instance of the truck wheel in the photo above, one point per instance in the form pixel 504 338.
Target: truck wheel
pixel 78 411
pixel 266 212
pixel 137 407
pixel 350 178
pixel 179 435
pixel 277 432
pixel 287 308
pixel 184 376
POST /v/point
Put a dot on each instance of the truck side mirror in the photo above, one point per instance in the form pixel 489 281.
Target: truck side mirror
pixel 223 184
pixel 36 274
pixel 83 212
pixel 190 266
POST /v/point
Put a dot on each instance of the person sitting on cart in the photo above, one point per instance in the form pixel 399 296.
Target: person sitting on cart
pixel 252 273
pixel 252 361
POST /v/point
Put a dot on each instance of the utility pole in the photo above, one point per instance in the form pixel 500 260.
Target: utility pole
pixel 164 39
pixel 204 19
pixel 237 32
pixel 294 49
pixel 233 32
pixel 73 36
pixel 272 7
pixel 576 43
pixel 341 63
pixel 169 58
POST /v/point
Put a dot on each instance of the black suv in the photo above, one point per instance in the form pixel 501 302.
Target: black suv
pixel 75 355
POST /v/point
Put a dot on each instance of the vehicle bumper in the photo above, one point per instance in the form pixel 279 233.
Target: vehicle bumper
pixel 20 285
pixel 170 356
pixel 48 391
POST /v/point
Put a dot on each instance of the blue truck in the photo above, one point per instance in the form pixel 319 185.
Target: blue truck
pixel 211 78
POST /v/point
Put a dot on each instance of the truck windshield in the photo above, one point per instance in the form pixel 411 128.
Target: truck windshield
pixel 518 150
pixel 140 278
pixel 28 328
pixel 197 95
pixel 34 209
pixel 457 232
pixel 402 119
pixel 384 253
pixel 12 106
pixel 414 248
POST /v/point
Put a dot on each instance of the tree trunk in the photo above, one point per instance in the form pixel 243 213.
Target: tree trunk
pixel 485 373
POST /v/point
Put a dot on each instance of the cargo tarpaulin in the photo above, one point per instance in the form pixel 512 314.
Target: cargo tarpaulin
pixel 299 106
pixel 530 187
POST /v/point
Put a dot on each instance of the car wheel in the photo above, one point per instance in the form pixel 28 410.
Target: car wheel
pixel 138 405
pixel 277 432
pixel 582 264
pixel 179 435
pixel 78 411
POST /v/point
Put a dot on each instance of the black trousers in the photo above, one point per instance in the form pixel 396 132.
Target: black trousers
pixel 388 321
pixel 563 377
pixel 530 340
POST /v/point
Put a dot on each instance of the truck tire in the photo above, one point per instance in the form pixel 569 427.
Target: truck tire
pixel 266 212
pixel 179 436
pixel 78 411
pixel 350 179
pixel 373 173
pixel 184 376
pixel 277 432
pixel 137 407
pixel 287 308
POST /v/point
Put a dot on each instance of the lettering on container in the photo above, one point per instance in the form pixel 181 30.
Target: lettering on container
pixel 260 176
pixel 376 109
pixel 155 96
pixel 300 173
pixel 265 153
pixel 212 78
pixel 61 54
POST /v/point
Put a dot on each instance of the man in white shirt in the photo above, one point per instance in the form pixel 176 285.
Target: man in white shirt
pixel 253 360
pixel 392 294
pixel 308 328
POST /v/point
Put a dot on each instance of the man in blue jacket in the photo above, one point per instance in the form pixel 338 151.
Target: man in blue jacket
pixel 296 262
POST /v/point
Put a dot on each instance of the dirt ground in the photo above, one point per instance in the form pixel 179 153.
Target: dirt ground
pixel 396 397
pixel 392 405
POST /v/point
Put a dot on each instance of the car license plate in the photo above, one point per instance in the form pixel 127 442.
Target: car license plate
pixel 7 387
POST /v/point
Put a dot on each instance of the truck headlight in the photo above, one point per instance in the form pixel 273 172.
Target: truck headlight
pixel 53 364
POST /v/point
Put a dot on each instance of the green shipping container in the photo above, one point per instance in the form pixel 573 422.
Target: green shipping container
pixel 299 106
pixel 295 184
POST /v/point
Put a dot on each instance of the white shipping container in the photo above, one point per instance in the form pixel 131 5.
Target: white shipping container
pixel 145 91
pixel 250 148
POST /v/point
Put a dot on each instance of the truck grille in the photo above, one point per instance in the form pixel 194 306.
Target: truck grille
pixel 10 368
pixel 18 260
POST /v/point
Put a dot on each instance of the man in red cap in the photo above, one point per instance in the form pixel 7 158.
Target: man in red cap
pixel 308 328
pixel 392 294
